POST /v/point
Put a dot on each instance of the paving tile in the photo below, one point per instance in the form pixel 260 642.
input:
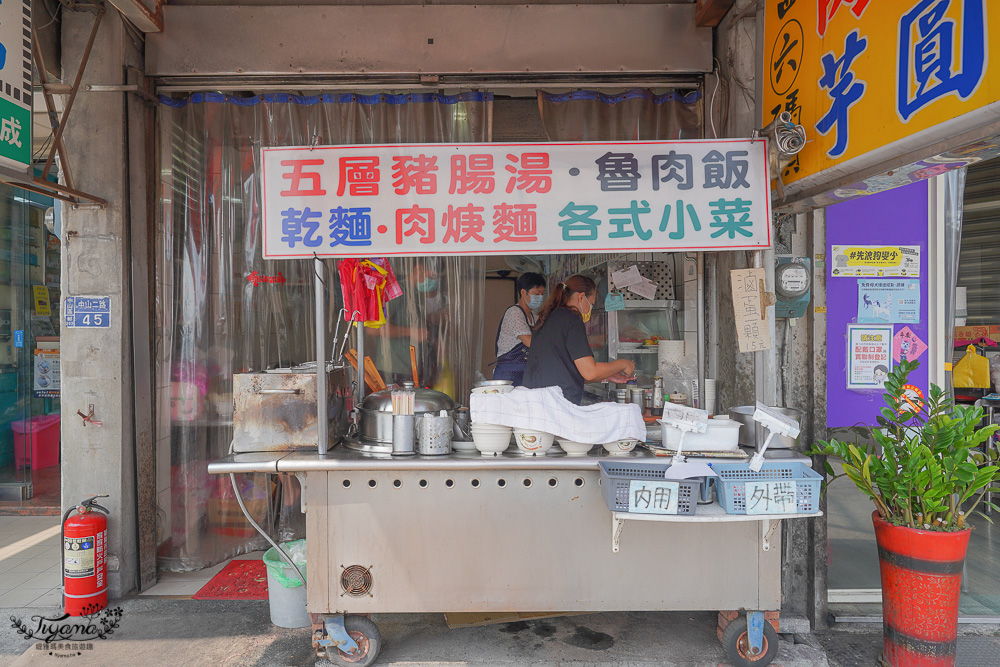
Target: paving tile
pixel 51 599
pixel 175 588
pixel 49 578
pixel 7 564
pixel 35 565
pixel 22 597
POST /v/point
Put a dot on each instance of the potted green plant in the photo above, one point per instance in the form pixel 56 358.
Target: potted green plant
pixel 922 469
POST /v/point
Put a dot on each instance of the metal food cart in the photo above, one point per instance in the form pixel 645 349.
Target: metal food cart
pixel 466 533
pixel 463 533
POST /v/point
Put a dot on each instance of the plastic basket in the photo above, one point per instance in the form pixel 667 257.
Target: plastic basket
pixel 615 478
pixel 732 492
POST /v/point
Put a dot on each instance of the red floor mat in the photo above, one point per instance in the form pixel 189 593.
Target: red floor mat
pixel 238 580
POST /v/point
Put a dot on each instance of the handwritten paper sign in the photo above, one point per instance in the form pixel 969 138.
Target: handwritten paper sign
pixel 469 199
pixel 749 303
pixel 650 497
pixel 771 497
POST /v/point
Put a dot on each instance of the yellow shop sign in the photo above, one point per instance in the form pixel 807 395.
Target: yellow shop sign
pixel 861 74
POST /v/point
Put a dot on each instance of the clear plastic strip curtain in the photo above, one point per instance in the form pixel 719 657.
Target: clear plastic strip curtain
pixel 221 309
pixel 638 114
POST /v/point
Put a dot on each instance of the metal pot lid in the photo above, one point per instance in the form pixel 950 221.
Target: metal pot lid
pixel 424 400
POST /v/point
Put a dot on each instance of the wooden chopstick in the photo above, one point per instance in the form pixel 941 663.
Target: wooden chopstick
pixel 413 365
pixel 376 376
pixel 373 384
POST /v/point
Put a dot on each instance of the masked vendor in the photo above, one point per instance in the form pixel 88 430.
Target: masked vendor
pixel 514 333
pixel 559 354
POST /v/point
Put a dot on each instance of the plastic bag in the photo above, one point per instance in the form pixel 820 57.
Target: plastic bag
pixel 972 371
pixel 280 570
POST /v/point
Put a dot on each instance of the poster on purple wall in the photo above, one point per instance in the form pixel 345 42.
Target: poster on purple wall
pixel 891 219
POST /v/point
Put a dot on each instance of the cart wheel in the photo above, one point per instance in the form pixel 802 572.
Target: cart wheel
pixel 369 640
pixel 736 642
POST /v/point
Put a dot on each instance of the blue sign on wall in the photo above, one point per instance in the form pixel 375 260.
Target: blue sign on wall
pixel 19 338
pixel 87 312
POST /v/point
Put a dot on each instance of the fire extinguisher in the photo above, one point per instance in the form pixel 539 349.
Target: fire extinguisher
pixel 85 558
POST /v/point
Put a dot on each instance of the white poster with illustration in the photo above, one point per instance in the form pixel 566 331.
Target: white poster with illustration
pixel 869 355
pixel 885 301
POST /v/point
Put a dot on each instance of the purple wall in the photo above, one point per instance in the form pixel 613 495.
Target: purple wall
pixel 893 217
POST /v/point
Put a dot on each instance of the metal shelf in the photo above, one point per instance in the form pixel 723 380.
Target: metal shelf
pixel 646 304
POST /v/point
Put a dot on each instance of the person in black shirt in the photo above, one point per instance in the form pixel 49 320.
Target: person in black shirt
pixel 560 354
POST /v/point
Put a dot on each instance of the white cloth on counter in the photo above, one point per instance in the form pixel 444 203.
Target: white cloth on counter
pixel 548 411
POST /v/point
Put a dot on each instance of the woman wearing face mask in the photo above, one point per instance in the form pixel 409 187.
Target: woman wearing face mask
pixel 514 333
pixel 560 353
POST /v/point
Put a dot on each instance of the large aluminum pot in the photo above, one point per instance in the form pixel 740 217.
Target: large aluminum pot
pixel 753 434
pixel 376 411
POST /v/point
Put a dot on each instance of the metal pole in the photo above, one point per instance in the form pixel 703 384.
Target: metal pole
pixel 360 331
pixel 701 329
pixel 322 423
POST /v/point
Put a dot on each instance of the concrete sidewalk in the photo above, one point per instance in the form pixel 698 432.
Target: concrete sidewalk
pixel 157 631
pixel 162 631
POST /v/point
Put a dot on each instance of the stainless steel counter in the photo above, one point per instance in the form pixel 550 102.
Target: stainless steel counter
pixel 341 458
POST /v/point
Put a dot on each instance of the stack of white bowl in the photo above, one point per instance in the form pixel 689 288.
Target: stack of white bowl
pixel 491 439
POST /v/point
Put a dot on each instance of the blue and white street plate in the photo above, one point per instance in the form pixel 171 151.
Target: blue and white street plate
pixel 87 312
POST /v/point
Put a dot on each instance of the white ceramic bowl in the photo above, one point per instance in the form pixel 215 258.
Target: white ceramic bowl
pixel 620 447
pixel 491 443
pixel 532 442
pixel 489 428
pixel 463 446
pixel 575 448
pixel 493 389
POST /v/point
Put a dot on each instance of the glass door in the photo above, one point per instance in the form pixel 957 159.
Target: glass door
pixel 16 455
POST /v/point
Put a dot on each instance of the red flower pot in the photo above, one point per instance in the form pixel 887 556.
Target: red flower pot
pixel 921 582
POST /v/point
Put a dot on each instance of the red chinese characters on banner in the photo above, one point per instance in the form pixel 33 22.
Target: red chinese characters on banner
pixel 473 173
pixel 826 9
pixel 415 221
pixel 415 173
pixel 358 176
pixel 297 175
pixel 530 172
pixel 463 223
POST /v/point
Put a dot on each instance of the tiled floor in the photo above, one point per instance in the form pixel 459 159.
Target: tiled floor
pixel 30 574
pixel 186 584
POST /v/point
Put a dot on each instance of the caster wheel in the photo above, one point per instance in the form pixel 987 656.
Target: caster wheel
pixel 369 640
pixel 736 642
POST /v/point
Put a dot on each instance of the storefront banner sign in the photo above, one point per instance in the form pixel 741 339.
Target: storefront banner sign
pixel 469 199
pixel 869 261
pixel 859 75
pixel 907 346
pixel 750 309
pixel 15 83
pixel 869 356
pixel 48 380
pixel 881 301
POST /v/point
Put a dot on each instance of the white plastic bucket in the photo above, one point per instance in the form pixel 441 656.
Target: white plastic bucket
pixel 288 605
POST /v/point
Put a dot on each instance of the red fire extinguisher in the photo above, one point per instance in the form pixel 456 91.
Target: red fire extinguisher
pixel 85 551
